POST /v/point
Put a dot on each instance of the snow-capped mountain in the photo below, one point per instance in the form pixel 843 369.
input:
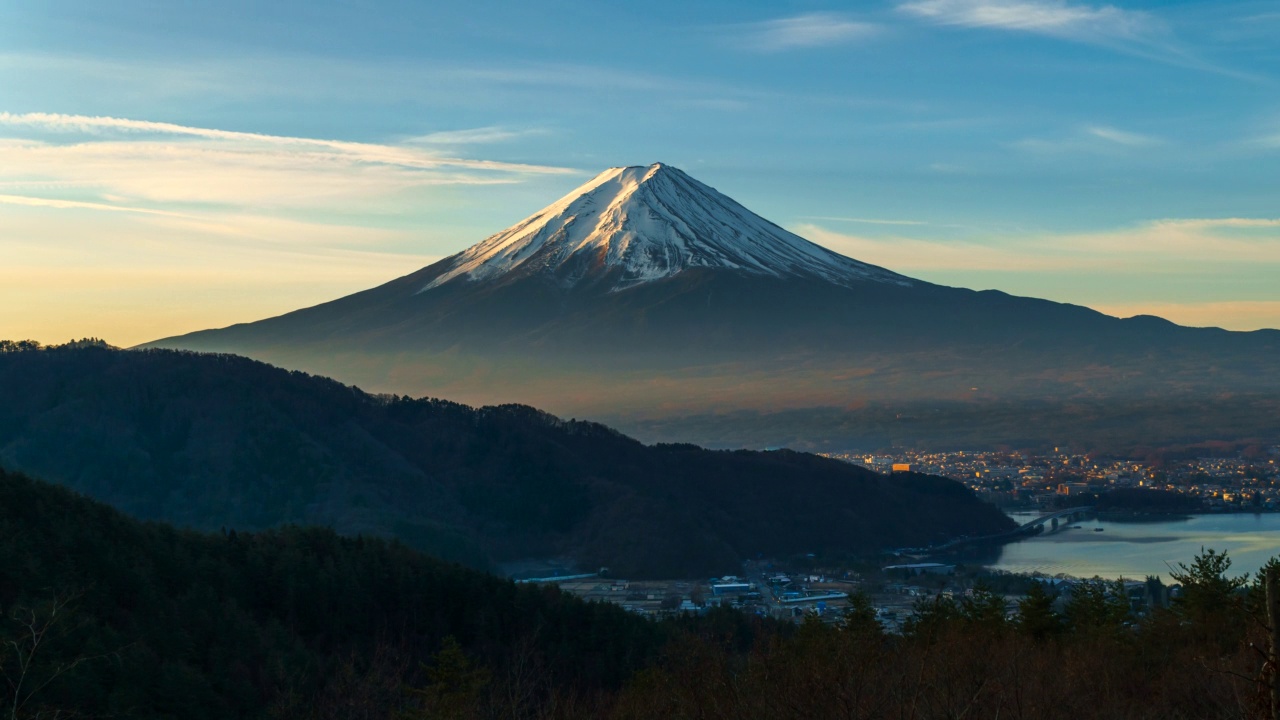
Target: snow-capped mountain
pixel 631 225
pixel 647 293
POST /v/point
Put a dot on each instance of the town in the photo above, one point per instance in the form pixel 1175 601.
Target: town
pixel 892 592
pixel 1247 481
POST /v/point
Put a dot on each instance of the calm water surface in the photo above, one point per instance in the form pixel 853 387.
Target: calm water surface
pixel 1135 550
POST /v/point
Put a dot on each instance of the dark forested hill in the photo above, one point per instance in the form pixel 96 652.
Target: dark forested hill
pixel 214 441
pixel 143 621
pixel 104 616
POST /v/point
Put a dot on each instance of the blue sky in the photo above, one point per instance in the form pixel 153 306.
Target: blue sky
pixel 171 166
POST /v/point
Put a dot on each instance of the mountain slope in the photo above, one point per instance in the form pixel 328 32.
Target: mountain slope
pixel 221 441
pixel 294 623
pixel 646 294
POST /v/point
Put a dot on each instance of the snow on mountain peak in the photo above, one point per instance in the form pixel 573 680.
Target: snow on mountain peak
pixel 638 224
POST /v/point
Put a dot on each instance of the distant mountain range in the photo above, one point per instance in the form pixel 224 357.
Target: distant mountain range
pixel 217 441
pixel 645 295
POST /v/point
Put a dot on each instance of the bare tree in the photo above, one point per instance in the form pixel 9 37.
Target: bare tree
pixel 28 664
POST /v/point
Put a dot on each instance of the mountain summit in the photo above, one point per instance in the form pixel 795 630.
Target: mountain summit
pixel 648 294
pixel 631 225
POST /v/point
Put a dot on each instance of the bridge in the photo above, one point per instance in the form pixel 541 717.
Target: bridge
pixel 1051 522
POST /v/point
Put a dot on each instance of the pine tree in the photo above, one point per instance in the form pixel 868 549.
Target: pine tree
pixel 1097 605
pixel 1036 616
pixel 985 609
pixel 1211 600
pixel 454 689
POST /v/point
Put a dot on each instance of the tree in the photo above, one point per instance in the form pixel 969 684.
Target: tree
pixel 985 609
pixel 19 345
pixel 454 689
pixel 1036 616
pixel 1097 605
pixel 1210 598
pixel 32 659
pixel 860 617
pixel 930 616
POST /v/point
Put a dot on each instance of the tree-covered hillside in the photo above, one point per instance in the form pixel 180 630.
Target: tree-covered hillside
pixel 105 616
pixel 214 441
pixel 126 619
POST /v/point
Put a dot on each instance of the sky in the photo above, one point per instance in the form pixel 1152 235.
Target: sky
pixel 167 167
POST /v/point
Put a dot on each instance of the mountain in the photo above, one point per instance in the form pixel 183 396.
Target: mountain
pixel 645 295
pixel 217 441
pixel 141 620
pixel 634 225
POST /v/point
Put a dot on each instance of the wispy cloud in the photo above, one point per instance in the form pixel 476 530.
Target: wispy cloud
pixel 1185 243
pixel 1109 270
pixel 474 136
pixel 1056 18
pixel 907 254
pixel 1134 32
pixel 1262 17
pixel 80 205
pixel 1230 223
pixel 184 227
pixel 1122 137
pixel 867 221
pixel 219 173
pixel 135 164
pixel 802 31
pixel 1095 139
pixel 368 152
pixel 1268 141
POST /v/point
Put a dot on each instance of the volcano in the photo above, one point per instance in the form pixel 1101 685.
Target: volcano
pixel 634 225
pixel 646 294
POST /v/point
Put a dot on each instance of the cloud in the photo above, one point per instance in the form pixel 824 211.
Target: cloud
pixel 78 205
pixel 1211 223
pixel 365 152
pixel 1090 139
pixel 220 173
pixel 868 221
pixel 1262 17
pixel 133 229
pixel 915 254
pixel 1055 18
pixel 1165 245
pixel 473 136
pixel 1122 137
pixel 1133 32
pixel 1195 271
pixel 106 161
pixel 1270 142
pixel 803 31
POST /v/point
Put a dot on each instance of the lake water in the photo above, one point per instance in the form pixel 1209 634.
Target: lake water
pixel 1137 549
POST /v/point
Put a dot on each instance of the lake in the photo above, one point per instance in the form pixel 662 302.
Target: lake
pixel 1137 549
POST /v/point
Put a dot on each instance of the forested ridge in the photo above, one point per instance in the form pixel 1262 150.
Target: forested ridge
pixel 163 623
pixel 212 441
pixel 105 616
